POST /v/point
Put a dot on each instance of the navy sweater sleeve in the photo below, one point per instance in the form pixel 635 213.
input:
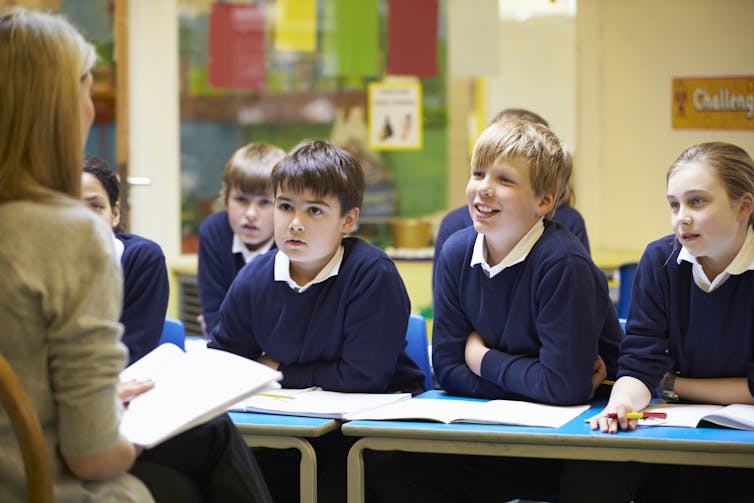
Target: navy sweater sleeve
pixel 234 327
pixel 217 265
pixel 644 354
pixel 145 294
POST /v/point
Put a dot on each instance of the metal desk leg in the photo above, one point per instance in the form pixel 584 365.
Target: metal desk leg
pixel 356 471
pixel 308 468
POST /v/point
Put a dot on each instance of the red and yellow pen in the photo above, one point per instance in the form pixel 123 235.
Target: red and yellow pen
pixel 640 415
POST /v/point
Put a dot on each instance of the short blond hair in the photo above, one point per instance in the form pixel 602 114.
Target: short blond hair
pixel 250 169
pixel 549 162
pixel 43 59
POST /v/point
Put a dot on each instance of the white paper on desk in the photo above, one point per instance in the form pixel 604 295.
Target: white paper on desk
pixel 190 388
pixel 508 412
pixel 317 402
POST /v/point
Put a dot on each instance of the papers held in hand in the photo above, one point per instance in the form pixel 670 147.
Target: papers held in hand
pixel 190 388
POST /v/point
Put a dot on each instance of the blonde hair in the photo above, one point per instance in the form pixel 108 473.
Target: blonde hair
pixel 733 165
pixel 43 59
pixel 509 114
pixel 549 162
pixel 250 169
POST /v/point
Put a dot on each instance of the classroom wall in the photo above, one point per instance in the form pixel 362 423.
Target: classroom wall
pixel 628 53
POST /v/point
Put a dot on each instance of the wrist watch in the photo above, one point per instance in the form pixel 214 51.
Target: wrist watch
pixel 668 387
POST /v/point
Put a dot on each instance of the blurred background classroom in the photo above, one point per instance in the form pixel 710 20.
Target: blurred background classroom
pixel 407 86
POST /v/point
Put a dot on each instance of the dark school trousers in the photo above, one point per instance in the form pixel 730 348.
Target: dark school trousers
pixel 209 463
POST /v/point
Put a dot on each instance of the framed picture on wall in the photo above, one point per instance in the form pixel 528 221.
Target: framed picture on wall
pixel 395 115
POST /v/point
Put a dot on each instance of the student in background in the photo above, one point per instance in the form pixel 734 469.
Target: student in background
pixel 565 213
pixel 521 313
pixel 324 309
pixel 229 239
pixel 209 462
pixel 145 277
pixel 689 335
pixel 60 293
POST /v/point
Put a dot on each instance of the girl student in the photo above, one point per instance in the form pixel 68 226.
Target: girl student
pixel 690 330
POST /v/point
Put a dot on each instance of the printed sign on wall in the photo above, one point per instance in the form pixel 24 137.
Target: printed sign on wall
pixel 713 102
pixel 395 115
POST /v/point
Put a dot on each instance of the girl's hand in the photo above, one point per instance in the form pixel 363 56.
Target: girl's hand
pixel 129 390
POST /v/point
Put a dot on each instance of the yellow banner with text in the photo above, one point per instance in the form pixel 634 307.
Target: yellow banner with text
pixel 713 102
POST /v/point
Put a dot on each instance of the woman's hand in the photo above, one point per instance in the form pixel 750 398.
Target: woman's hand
pixel 129 390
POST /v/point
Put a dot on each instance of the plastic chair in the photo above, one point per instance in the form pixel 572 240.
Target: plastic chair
pixel 31 440
pixel 174 332
pixel 626 281
pixel 417 346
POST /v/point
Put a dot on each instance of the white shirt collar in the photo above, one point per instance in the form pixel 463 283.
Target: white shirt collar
pixel 516 255
pixel 283 270
pixel 119 247
pixel 239 247
pixel 742 262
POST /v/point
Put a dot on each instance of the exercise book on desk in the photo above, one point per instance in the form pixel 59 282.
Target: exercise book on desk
pixel 190 388
pixel 508 412
pixel 738 416
pixel 315 402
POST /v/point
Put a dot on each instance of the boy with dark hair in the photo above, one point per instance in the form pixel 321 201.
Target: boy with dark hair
pixel 324 309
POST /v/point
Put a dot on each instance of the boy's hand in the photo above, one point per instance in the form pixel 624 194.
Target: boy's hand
pixel 599 373
pixel 266 360
pixel 474 352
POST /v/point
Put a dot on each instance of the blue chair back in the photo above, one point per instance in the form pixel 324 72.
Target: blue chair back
pixel 622 322
pixel 626 281
pixel 417 346
pixel 173 331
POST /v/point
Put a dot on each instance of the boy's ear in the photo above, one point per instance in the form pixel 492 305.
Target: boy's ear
pixel 116 214
pixel 546 202
pixel 349 220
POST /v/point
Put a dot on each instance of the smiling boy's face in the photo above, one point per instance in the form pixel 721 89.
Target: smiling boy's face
pixel 309 230
pixel 503 204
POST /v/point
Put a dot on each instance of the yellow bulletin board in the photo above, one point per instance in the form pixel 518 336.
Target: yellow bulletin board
pixel 713 102
pixel 395 115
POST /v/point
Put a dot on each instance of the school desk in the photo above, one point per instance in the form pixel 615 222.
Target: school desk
pixel 286 432
pixel 574 440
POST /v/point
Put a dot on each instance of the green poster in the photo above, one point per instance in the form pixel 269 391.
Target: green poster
pixel 350 38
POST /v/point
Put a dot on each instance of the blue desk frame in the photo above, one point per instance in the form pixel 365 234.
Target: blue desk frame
pixel 286 432
pixel 574 440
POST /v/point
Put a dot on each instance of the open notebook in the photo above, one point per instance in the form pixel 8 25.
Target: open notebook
pixel 315 402
pixel 190 388
pixel 510 412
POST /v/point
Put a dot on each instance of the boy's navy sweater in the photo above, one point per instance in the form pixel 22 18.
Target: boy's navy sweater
pixel 545 319
pixel 346 333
